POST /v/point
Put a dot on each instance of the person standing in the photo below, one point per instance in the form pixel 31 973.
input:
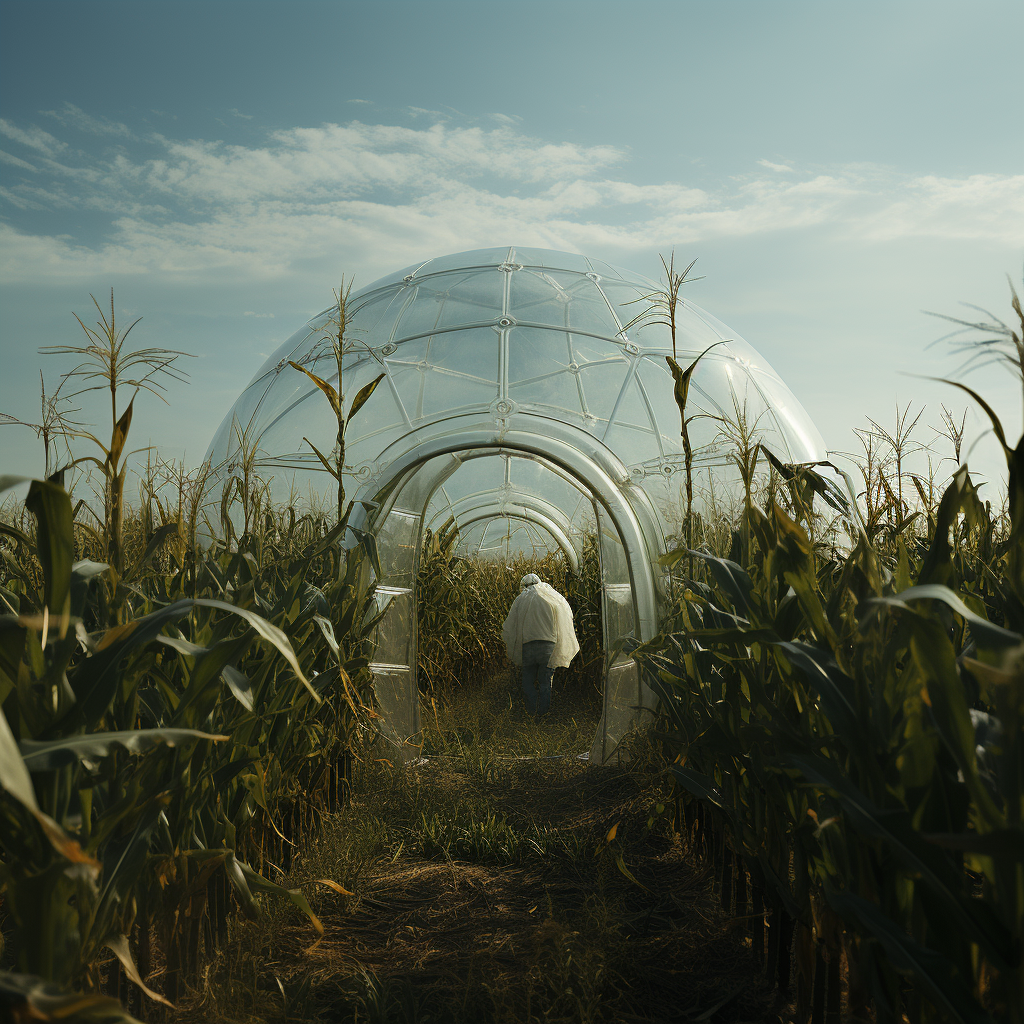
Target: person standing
pixel 539 635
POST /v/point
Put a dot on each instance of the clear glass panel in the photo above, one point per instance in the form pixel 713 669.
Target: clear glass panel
pixel 602 384
pixel 587 350
pixel 559 393
pixel 461 260
pixel 551 258
pixel 394 632
pixel 632 409
pixel 396 545
pixel 535 298
pixel 618 610
pixel 423 312
pixel 400 716
pixel 534 353
pixel 621 705
pixel 472 353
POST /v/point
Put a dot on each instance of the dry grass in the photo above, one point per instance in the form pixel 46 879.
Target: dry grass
pixel 485 890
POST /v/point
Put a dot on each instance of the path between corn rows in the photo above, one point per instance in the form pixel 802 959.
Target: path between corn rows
pixel 449 941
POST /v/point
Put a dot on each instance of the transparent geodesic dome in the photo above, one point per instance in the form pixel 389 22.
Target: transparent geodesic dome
pixel 515 400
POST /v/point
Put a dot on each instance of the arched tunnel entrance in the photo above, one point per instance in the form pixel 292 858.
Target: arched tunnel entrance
pixel 535 479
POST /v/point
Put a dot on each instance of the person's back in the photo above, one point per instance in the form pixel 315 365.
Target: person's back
pixel 538 615
pixel 539 635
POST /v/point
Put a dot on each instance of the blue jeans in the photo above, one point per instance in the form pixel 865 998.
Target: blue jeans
pixel 537 675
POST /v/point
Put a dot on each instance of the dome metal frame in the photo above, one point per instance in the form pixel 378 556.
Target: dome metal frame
pixel 522 354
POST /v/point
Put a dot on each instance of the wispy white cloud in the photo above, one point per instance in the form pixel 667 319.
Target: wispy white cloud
pixel 781 168
pixel 73 117
pixel 14 161
pixel 32 137
pixel 238 113
pixel 203 208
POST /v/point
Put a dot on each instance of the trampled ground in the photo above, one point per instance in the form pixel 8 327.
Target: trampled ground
pixel 486 889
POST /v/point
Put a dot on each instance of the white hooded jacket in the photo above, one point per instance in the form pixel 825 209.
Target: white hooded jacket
pixel 540 613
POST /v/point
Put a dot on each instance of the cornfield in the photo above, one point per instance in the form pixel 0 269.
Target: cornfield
pixel 844 719
pixel 841 680
pixel 172 714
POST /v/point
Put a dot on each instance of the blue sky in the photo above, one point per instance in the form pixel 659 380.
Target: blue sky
pixel 837 168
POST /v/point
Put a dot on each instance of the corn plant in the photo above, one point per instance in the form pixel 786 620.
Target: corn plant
pixel 334 335
pixel 107 366
pixel 167 724
pixel 821 704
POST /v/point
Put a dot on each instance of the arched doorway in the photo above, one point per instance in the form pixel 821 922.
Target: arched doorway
pixel 628 600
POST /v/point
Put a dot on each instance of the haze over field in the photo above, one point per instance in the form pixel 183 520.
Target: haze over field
pixel 836 169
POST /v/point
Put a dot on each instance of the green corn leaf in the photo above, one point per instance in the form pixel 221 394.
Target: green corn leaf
pixel 831 684
pixel 935 973
pixel 14 776
pixel 269 632
pixel 1000 842
pixel 154 545
pixel 49 755
pixel 908 846
pixel 55 544
pixel 699 785
pixel 988 634
pixel 7 530
pixel 732 579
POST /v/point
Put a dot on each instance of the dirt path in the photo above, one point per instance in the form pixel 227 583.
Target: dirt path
pixel 514 933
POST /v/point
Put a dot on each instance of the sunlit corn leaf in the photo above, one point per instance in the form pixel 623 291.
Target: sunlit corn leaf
pixel 327 629
pixel 988 634
pixel 239 685
pixel 183 646
pixel 269 632
pixel 118 945
pixel 245 880
pixel 363 395
pixel 324 386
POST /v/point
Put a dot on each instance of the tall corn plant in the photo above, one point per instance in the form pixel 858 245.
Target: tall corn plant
pixel 334 334
pixel 107 366
pixel 821 704
pixel 133 819
pixel 663 310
